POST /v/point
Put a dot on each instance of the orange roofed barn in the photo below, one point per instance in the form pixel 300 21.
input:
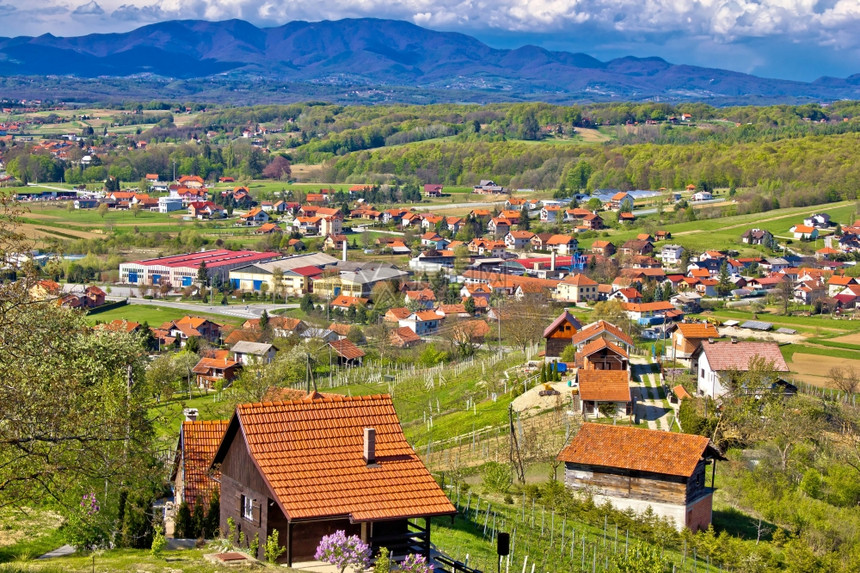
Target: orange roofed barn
pixel 634 468
pixel 310 467
pixel 560 333
pixel 198 441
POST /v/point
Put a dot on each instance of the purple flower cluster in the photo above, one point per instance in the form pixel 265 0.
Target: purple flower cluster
pixel 342 551
pixel 90 504
pixel 415 563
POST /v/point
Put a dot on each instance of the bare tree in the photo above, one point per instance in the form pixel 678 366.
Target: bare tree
pixel 845 379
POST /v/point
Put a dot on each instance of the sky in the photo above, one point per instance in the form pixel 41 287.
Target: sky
pixel 789 39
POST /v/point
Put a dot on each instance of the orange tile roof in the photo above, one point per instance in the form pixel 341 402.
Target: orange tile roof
pixel 404 336
pixel 198 442
pixel 698 330
pixel 600 344
pixel 648 306
pixel 119 325
pixel 427 315
pixel 346 349
pixel 348 301
pixel 340 329
pixel 579 279
pixel 604 385
pixel 598 328
pixel 400 313
pixel 243 334
pixel 310 452
pixel 635 449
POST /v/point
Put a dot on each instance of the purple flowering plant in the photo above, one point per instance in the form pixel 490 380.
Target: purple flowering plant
pixel 87 527
pixel 415 563
pixel 342 551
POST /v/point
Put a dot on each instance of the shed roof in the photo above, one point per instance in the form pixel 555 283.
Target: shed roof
pixel 635 449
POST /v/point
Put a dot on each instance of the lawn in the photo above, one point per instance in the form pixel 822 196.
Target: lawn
pixel 725 232
pixel 156 315
pixel 811 324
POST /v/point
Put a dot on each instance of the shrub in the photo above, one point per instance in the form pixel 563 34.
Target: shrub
pixel 497 477
pixel 342 551
pixel 273 550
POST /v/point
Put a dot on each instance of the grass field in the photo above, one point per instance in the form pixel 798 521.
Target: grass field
pixel 725 232
pixel 156 315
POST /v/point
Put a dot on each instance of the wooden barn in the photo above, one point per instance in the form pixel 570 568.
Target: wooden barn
pixel 198 441
pixel 310 467
pixel 559 334
pixel 634 468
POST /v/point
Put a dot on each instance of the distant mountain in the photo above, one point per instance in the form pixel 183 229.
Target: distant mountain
pixel 385 54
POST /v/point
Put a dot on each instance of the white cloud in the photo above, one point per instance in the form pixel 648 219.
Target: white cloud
pixel 91 8
pixel 831 24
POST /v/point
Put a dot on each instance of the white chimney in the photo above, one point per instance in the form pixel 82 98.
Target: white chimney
pixel 370 446
pixel 344 249
pixel 190 414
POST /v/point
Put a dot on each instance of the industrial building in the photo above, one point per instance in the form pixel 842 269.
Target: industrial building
pixel 181 270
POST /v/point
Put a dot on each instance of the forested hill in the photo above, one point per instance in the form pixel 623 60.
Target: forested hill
pixel 368 60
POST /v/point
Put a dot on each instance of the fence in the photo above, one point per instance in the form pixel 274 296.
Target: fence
pixel 537 437
pixel 543 540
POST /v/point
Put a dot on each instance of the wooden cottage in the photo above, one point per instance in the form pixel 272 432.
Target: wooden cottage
pixel 634 468
pixel 310 467
pixel 198 441
pixel 560 333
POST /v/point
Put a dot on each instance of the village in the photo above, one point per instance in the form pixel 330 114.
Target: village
pixel 495 374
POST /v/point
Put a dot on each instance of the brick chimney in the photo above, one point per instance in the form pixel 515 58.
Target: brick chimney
pixel 370 446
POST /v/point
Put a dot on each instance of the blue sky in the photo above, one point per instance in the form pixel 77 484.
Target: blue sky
pixel 791 39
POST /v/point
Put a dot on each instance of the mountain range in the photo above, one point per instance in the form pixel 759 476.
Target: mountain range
pixel 384 56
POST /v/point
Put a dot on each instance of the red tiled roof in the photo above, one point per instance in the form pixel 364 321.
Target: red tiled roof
pixel 310 452
pixel 119 325
pixel 604 385
pixel 346 349
pixel 737 355
pixel 348 301
pixel 199 441
pixel 579 279
pixel 400 313
pixel 635 449
pixel 600 344
pixel 404 336
pixel 698 330
pixel 597 328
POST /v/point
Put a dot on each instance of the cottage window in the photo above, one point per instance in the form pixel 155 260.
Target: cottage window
pixel 702 373
pixel 247 508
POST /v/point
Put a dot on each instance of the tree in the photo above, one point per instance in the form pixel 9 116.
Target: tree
pixel 162 375
pixel 202 274
pixel 278 168
pixel 724 284
pixel 277 283
pixel 845 379
pixel 102 210
pixel 53 447
pixel 264 320
pixel 525 222
pixel 135 210
pixel 469 305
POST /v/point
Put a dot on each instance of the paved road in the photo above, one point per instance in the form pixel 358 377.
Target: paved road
pixel 251 310
pixel 649 404
pixel 445 207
